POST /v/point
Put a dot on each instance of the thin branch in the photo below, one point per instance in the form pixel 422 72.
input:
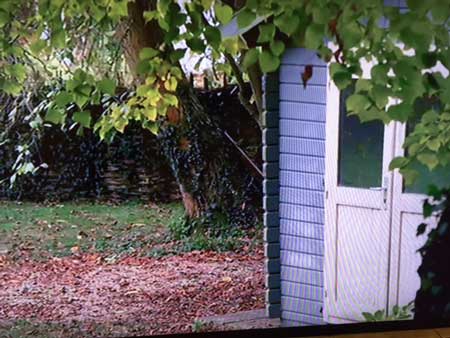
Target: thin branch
pixel 242 89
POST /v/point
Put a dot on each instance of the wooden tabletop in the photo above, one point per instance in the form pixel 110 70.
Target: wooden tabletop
pixel 432 333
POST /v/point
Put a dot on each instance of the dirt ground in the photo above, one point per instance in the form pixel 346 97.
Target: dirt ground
pixel 87 296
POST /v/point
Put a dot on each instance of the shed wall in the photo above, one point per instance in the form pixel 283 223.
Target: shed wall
pixel 301 177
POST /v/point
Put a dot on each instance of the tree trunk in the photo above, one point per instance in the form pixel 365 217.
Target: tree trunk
pixel 432 303
pixel 213 181
pixel 214 184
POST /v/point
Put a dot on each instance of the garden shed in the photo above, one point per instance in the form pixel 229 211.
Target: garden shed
pixel 340 228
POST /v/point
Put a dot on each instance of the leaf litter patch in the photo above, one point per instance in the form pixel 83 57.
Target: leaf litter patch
pixel 85 295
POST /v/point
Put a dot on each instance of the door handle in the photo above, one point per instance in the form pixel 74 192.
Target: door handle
pixel 383 188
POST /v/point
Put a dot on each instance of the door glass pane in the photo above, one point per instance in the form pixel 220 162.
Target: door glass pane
pixel 440 176
pixel 360 149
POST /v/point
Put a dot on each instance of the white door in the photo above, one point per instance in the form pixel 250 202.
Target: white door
pixel 371 218
pixel 357 211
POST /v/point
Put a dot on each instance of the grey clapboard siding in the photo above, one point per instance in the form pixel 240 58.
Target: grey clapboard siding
pixel 302 306
pixel 306 181
pixel 301 213
pixel 301 229
pixel 301 197
pixel 297 93
pixel 302 245
pixel 301 193
pixel 301 260
pixel 305 164
pixel 299 319
pixel 303 276
pixel 302 111
pixel 294 145
pixel 309 292
pixel 302 129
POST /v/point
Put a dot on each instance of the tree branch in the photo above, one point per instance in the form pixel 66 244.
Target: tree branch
pixel 245 101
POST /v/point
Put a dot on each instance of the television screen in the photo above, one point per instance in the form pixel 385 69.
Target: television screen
pixel 181 167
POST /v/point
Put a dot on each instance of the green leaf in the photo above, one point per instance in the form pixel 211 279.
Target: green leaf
pixel 118 9
pixel 434 144
pixel 440 11
pixel 372 113
pixel 97 12
pixel 4 18
pixel 63 98
pixel 419 5
pixel 245 18
pixel 342 79
pixel 147 53
pixel 58 39
pixel 178 54
pixel 196 44
pixel 427 210
pixel 213 36
pixel 107 86
pixel 429 159
pixel 12 87
pixel 398 162
pixel 56 116
pixel 150 15
pixel 224 13
pixel 84 89
pixel 429 116
pixel 268 62
pixel 277 47
pixel 231 45
pixel 379 74
pixel 336 67
pixel 400 112
pixel 368 317
pixel 206 4
pixel 80 99
pixel 83 118
pixel 395 310
pixel 363 85
pixel 288 24
pixel 151 113
pixel 409 175
pixel 250 58
pixel 357 103
pixel 153 127
pixel 429 59
pixel 314 36
pixel 351 34
pixel 445 91
pixel 37 46
pixel 379 315
pixel 321 15
pixel 266 33
pixel 380 94
pixel 18 71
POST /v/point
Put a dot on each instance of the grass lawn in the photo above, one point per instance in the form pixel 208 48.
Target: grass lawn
pixel 39 231
pixel 64 229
